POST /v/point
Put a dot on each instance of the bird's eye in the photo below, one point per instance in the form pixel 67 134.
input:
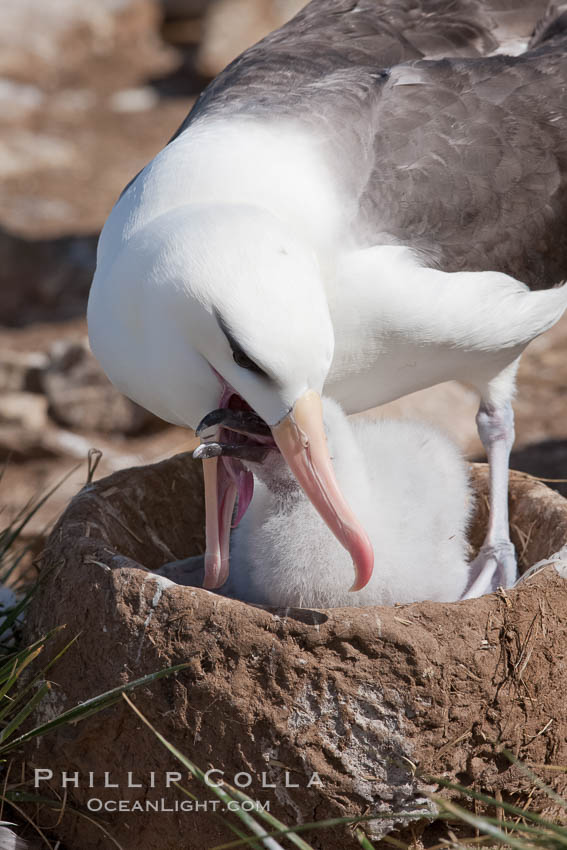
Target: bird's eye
pixel 241 359
pixel 239 355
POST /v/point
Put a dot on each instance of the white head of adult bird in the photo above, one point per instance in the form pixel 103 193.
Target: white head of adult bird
pixel 408 483
pixel 344 206
pixel 183 325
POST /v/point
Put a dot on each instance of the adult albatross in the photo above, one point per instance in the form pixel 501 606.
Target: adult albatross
pixel 339 212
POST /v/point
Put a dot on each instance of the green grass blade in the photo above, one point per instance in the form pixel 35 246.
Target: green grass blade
pixel 271 820
pixel 6 668
pixel 17 721
pixel 507 807
pixel 17 670
pixel 258 829
pixel 9 567
pixel 10 680
pixel 195 771
pixel 232 827
pixel 17 796
pixel 363 839
pixel 537 834
pixel 480 823
pixel 91 706
pixel 13 613
pixel 13 797
pixel 234 794
pixel 11 534
pixel 543 786
pixel 288 831
pixel 22 692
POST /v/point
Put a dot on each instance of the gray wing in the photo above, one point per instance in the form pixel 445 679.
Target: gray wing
pixel 464 158
pixel 332 35
pixel 470 163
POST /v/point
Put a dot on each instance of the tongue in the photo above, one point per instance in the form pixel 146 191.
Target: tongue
pixel 245 486
pixel 220 494
pixel 226 481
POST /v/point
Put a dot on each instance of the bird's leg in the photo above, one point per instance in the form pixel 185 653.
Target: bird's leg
pixel 495 565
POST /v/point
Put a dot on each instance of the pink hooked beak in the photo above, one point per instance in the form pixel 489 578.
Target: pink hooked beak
pixel 300 437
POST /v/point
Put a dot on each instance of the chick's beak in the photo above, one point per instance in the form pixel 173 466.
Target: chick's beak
pixel 300 437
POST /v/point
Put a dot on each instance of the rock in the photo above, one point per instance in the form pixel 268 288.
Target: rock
pixel 81 396
pixel 184 8
pixel 231 26
pixel 134 100
pixel 331 708
pixel 18 100
pixel 547 459
pixel 21 370
pixel 47 43
pixel 73 102
pixel 23 410
pixel 44 278
pixel 22 151
pixel 19 445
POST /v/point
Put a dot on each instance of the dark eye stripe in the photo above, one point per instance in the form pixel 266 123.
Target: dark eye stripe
pixel 242 359
pixel 238 354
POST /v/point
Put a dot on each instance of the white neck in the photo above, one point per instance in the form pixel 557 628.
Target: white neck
pixel 241 161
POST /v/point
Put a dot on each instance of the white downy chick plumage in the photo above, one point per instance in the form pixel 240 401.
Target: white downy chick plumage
pixel 408 484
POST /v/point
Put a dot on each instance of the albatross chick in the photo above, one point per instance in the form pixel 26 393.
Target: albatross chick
pixel 408 484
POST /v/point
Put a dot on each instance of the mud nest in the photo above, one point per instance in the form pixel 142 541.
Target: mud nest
pixel 333 710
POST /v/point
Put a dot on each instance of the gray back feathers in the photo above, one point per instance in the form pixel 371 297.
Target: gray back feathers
pixel 464 158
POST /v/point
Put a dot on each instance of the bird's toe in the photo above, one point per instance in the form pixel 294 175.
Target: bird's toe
pixel 495 566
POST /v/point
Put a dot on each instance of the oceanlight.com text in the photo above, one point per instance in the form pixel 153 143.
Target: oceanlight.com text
pixel 94 804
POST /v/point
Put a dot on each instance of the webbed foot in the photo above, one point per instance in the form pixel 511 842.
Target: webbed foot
pixel 495 566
